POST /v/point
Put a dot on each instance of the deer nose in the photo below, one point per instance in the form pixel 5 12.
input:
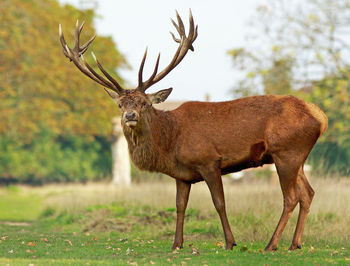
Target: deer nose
pixel 130 116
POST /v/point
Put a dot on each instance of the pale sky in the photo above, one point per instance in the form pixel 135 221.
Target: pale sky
pixel 135 24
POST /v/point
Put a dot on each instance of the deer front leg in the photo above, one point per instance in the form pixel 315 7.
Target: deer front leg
pixel 182 193
pixel 214 182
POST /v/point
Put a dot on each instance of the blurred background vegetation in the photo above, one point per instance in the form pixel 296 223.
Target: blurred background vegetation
pixel 303 48
pixel 56 126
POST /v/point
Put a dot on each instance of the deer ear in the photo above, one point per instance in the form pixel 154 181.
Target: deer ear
pixel 159 96
pixel 113 94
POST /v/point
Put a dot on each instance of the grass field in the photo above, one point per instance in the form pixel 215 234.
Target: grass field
pixel 97 224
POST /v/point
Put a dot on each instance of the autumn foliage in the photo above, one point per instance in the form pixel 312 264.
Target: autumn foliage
pixel 54 122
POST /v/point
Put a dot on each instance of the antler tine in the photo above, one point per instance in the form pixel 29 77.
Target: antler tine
pixel 176 26
pixel 78 51
pixel 65 48
pixel 155 68
pixel 85 46
pixel 110 78
pixel 195 33
pixel 191 22
pixel 76 36
pixel 81 26
pixel 185 44
pixel 192 34
pixel 148 83
pixel 174 38
pixel 141 68
pixel 141 83
pixel 99 77
pixel 181 24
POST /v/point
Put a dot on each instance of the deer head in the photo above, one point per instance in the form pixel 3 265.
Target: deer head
pixel 133 103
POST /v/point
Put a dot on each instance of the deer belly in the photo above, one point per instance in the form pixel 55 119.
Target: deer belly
pixel 257 156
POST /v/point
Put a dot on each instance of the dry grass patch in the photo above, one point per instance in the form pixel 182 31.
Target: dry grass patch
pixel 254 208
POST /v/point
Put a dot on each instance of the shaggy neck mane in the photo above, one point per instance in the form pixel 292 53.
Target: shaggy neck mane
pixel 152 141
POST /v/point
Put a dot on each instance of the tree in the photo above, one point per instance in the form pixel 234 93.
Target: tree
pixel 332 93
pixel 48 109
pixel 300 48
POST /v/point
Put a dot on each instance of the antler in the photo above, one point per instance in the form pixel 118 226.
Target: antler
pixel 77 52
pixel 185 44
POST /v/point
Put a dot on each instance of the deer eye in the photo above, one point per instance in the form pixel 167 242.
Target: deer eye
pixel 119 105
pixel 144 103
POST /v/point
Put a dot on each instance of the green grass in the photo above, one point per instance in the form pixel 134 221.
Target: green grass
pixel 30 246
pixel 18 205
pixel 72 225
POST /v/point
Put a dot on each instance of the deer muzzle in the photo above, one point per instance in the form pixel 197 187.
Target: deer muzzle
pixel 131 118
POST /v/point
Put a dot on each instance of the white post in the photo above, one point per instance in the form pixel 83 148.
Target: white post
pixel 120 154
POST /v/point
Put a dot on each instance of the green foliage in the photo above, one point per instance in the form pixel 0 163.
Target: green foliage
pixel 50 159
pixel 54 121
pixel 116 210
pixel 65 218
pixel 277 79
pixel 272 75
pixel 47 212
pixel 332 94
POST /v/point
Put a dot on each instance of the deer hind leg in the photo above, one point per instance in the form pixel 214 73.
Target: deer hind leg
pixel 288 176
pixel 213 179
pixel 182 194
pixel 306 194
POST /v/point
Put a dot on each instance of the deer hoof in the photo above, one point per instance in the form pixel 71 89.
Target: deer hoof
pixel 176 246
pixel 230 246
pixel 294 247
pixel 271 248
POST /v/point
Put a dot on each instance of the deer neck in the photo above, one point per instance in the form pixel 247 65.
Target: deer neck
pixel 153 138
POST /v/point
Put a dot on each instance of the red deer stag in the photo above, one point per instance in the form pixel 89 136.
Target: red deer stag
pixel 203 140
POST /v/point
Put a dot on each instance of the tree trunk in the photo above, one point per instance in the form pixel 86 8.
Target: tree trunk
pixel 120 154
